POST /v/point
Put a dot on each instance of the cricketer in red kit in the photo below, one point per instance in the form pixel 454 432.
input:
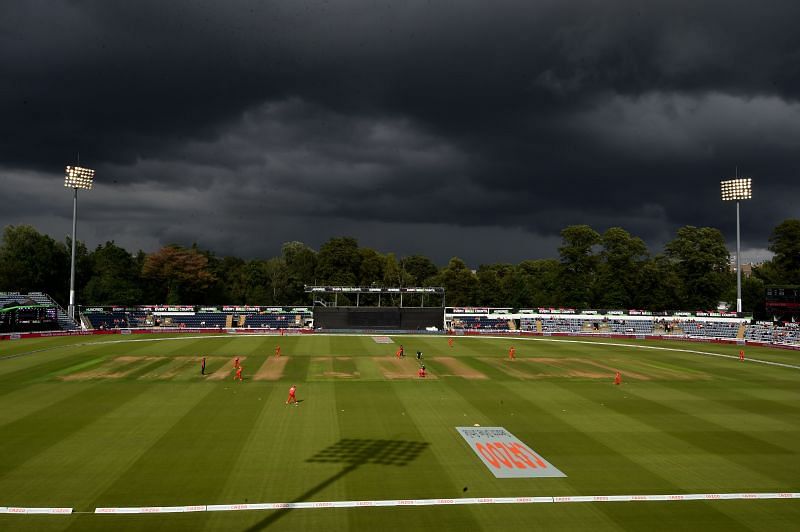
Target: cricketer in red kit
pixel 238 373
pixel 741 355
pixel 618 378
pixel 512 353
pixel 277 350
pixel 292 398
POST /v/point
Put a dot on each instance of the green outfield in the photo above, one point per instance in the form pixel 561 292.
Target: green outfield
pixel 113 421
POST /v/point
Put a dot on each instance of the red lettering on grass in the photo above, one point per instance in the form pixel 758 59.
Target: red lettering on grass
pixel 514 448
pixel 527 452
pixel 497 450
pixel 487 455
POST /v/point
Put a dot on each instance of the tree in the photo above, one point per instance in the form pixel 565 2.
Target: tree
pixel 301 263
pixel 278 275
pixel 459 283
pixel 660 287
pixel 420 268
pixel 541 283
pixel 578 264
pixel 114 277
pixel 493 280
pixel 753 296
pixel 183 273
pixel 701 261
pixel 258 285
pixel 339 262
pixel 230 284
pixel 619 269
pixel 372 268
pixel 33 262
pixel 785 243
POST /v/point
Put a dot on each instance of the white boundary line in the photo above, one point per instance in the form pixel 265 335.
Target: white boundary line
pixel 406 502
pixel 446 502
pixel 22 510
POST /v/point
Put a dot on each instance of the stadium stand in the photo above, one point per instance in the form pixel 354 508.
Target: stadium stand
pixel 102 319
pixel 499 323
pixel 631 326
pixel 759 333
pixel 710 329
pixel 788 333
pixel 570 325
pixel 39 298
pixel 188 317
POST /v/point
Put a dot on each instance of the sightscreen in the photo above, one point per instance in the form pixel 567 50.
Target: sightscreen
pixel 405 318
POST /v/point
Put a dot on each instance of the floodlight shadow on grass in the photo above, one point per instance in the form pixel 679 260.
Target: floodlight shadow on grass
pixel 360 451
pixel 352 453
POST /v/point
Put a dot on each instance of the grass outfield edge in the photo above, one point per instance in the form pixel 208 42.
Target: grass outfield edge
pixel 520 338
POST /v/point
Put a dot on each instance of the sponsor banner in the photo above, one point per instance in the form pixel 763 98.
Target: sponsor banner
pixel 21 510
pixel 505 455
pixel 470 310
pixel 152 510
pixel 418 502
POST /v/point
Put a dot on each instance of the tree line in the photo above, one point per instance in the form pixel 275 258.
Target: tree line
pixel 613 269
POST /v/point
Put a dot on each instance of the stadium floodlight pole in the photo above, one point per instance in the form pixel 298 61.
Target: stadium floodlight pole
pixel 736 190
pixel 75 177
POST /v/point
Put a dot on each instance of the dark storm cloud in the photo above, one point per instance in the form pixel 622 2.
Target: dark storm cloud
pixel 479 129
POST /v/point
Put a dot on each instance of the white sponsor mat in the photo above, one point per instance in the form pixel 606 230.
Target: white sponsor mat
pixel 505 455
pixel 382 340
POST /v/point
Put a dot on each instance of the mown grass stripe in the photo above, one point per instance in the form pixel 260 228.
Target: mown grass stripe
pixel 26 437
pixel 192 459
pixel 702 433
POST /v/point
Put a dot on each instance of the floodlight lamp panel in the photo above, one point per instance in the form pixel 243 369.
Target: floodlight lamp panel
pixel 79 177
pixel 736 189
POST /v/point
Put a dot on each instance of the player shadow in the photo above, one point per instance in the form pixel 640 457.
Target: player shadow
pixel 354 453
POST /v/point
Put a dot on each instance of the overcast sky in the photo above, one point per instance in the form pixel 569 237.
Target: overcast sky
pixel 470 128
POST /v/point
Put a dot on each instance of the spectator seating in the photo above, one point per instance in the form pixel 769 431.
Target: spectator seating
pixel 570 325
pixel 710 329
pixel 788 333
pixel 499 323
pixel 108 318
pixel 40 298
pixel 622 326
pixel 113 319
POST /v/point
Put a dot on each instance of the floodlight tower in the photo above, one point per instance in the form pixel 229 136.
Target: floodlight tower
pixel 737 189
pixel 75 177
